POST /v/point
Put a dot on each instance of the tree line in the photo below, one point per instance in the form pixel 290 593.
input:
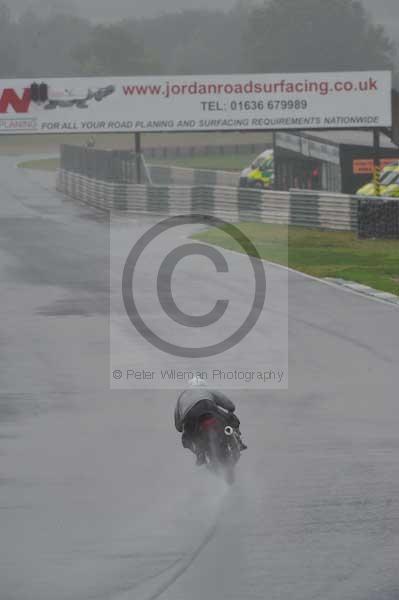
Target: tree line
pixel 276 36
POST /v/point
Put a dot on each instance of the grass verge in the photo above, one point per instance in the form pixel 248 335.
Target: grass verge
pixel 45 164
pixel 320 253
pixel 216 162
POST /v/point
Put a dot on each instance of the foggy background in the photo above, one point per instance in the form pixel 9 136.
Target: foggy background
pixel 144 37
pixel 103 9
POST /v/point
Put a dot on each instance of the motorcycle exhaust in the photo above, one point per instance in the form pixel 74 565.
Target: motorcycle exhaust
pixel 228 431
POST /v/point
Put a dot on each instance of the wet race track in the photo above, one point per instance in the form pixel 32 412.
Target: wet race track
pixel 97 498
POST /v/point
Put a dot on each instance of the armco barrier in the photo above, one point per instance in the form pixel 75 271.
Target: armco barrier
pixel 119 166
pixel 115 165
pixel 309 209
pixel 324 210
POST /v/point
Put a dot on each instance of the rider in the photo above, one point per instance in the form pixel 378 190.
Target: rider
pixel 196 402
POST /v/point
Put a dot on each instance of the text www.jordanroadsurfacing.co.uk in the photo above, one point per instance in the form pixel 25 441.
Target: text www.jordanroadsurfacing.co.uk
pixel 303 86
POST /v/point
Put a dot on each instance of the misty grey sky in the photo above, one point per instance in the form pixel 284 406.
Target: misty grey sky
pixel 114 9
pixel 384 11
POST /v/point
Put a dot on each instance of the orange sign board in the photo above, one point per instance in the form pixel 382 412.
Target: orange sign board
pixel 365 166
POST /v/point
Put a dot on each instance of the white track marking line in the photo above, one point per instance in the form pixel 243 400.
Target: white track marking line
pixel 316 279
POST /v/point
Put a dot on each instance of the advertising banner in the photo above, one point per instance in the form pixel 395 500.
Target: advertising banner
pixel 196 103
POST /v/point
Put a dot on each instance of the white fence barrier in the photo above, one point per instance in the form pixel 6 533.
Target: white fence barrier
pixel 297 207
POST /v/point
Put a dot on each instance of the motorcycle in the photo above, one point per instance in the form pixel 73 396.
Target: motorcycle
pixel 221 446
